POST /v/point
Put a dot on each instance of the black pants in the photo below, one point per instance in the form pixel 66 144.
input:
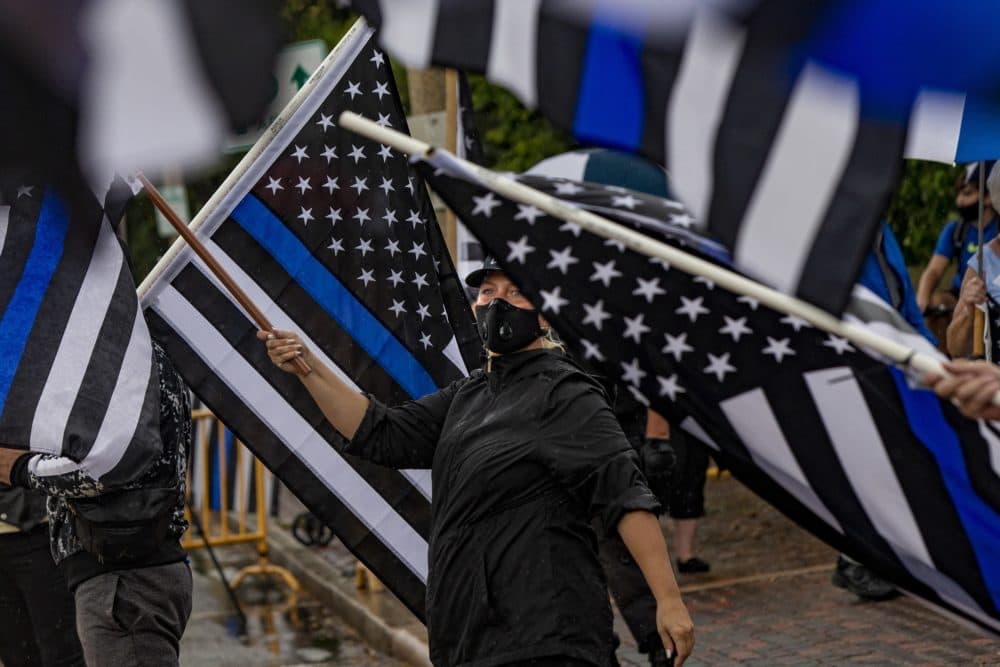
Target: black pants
pixel 37 617
pixel 550 661
pixel 687 484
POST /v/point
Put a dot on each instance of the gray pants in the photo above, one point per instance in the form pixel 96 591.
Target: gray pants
pixel 134 617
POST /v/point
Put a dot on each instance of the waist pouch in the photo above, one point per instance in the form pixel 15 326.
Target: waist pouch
pixel 126 526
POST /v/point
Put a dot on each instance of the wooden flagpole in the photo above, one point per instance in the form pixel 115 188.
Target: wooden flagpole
pixel 302 368
pixel 898 353
pixel 979 317
pixel 450 142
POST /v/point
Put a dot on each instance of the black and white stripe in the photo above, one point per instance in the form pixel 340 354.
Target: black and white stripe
pixel 85 390
pixel 789 172
pixel 381 515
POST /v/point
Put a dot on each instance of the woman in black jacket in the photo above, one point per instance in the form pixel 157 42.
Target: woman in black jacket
pixel 522 455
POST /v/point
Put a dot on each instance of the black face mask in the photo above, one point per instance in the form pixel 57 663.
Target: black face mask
pixel 969 213
pixel 506 328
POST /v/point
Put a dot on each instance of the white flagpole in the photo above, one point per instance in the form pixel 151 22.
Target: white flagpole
pixel 898 353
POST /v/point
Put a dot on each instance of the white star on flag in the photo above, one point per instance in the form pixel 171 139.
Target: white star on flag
pixel 840 345
pixel 360 184
pixel 362 216
pixel 384 152
pixel 389 217
pixel 392 247
pixel 305 215
pixel 331 184
pixel 795 322
pixel 527 212
pixel 415 219
pixel 381 89
pixel 334 216
pixel 649 289
pixel 273 184
pixel 397 308
pixel 378 59
pixel 635 328
pixel 627 201
pixel 24 191
pixel 676 345
pixel 750 301
pixel 735 328
pixel 420 280
pixel 364 247
pixel 605 272
pixel 326 122
pixel 779 349
pixel 330 153
pixel 395 277
pixel 300 154
pixel 383 121
pixel 552 301
pixel 519 250
pixel 568 188
pixel 303 185
pixel 719 366
pixel 669 386
pixel 596 314
pixel 336 245
pixel 485 204
pixel 423 311
pixel 417 250
pixel 386 186
pixel 353 89
pixel 631 373
pixel 425 340
pixel 692 308
pixel 591 351
pixel 367 276
pixel 562 259
pixel 357 152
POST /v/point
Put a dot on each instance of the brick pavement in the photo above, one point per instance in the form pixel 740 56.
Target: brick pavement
pixel 769 601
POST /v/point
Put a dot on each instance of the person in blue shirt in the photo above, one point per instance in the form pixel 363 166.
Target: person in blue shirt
pixel 884 273
pixel 959 240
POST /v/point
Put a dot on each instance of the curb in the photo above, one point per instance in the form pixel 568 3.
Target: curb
pixel 316 574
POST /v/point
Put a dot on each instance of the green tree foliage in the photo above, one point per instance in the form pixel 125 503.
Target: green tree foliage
pixel 514 138
pixel 920 207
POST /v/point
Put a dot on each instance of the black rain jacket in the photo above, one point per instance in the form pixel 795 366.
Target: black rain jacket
pixel 522 458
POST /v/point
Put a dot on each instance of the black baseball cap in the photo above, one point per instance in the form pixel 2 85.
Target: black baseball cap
pixel 475 278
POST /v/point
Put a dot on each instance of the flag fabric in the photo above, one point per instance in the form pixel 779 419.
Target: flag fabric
pixel 602 165
pixel 779 155
pixel 830 435
pixel 953 127
pixel 124 84
pixel 77 376
pixel 333 236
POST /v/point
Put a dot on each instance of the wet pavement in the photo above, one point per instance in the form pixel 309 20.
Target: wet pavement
pixel 276 633
pixel 767 601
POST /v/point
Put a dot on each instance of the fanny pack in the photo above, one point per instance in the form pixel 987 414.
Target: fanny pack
pixel 125 526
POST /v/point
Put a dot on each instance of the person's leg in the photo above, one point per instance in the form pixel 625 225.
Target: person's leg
pixel 51 606
pixel 135 617
pixel 17 635
pixel 687 501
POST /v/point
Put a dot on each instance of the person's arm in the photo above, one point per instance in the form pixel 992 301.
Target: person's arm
pixel 929 280
pixel 641 533
pixel 402 436
pixel 959 335
pixel 341 405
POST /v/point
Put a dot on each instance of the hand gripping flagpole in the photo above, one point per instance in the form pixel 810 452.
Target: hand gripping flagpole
pixel 301 367
pixel 898 353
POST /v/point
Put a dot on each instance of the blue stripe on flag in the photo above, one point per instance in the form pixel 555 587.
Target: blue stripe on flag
pixel 324 287
pixel 982 525
pixel 19 318
pixel 610 104
pixel 979 136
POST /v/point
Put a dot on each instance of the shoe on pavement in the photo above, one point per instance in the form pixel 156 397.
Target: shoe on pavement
pixel 693 565
pixel 658 658
pixel 861 581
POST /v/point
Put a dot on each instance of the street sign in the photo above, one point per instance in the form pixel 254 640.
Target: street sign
pixel 175 195
pixel 293 67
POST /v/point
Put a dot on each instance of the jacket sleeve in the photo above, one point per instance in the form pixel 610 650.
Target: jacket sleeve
pixel 406 435
pixel 584 447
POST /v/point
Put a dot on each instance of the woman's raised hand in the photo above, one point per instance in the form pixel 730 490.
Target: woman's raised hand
pixel 283 347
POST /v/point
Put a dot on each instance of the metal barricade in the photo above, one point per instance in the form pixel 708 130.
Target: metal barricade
pixel 225 525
